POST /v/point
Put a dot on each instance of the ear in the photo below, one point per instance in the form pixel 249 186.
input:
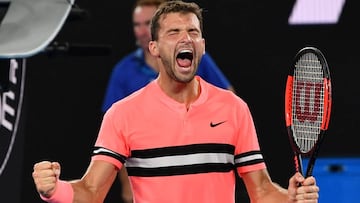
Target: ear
pixel 203 41
pixel 153 48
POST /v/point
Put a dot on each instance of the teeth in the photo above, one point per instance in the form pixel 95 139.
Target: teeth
pixel 185 51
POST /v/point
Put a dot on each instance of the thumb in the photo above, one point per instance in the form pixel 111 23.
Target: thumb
pixel 296 180
pixel 294 183
pixel 56 168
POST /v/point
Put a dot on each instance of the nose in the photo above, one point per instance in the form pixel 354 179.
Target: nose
pixel 144 29
pixel 185 37
pixel 141 29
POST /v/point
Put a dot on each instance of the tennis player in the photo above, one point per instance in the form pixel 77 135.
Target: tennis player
pixel 180 137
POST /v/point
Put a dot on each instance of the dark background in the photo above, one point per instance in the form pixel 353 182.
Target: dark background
pixel 250 40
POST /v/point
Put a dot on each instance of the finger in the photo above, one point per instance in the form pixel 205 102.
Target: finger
pixel 313 196
pixel 42 165
pixel 43 170
pixel 56 168
pixel 309 181
pixel 308 189
pixel 307 193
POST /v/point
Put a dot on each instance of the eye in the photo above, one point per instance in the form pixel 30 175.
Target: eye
pixel 194 32
pixel 173 32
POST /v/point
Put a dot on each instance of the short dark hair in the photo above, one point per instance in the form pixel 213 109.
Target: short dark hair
pixel 175 6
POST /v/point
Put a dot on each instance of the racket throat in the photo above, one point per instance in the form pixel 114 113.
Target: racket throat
pixel 298 163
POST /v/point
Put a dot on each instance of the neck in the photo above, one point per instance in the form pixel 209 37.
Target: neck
pixel 185 93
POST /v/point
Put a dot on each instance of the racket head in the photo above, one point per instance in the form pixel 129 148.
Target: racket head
pixel 307 99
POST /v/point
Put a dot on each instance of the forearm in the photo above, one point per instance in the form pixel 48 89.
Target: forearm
pixel 272 193
pixel 85 193
pixel 262 189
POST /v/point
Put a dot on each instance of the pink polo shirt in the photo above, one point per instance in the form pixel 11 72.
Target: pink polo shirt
pixel 177 155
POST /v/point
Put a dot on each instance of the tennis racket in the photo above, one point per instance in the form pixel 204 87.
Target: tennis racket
pixel 307 105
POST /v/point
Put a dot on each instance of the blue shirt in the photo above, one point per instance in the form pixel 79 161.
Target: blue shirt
pixel 132 73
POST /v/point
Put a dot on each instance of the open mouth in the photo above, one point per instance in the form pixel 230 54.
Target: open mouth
pixel 184 58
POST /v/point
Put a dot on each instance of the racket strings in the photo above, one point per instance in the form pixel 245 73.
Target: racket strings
pixel 307 101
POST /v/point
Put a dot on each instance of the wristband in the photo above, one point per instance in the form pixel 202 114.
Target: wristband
pixel 63 193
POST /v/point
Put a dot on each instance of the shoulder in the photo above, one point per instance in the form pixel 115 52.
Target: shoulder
pixel 140 97
pixel 225 96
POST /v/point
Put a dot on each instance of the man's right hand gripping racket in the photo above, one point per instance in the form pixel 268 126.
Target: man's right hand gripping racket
pixel 307 105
